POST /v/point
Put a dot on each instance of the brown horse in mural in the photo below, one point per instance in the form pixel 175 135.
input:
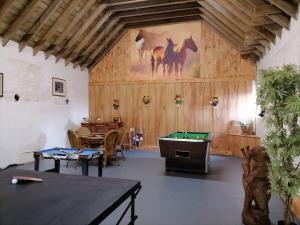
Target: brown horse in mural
pixel 146 41
pixel 164 56
pixel 181 53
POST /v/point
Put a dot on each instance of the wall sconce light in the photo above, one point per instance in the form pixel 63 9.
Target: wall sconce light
pixel 215 101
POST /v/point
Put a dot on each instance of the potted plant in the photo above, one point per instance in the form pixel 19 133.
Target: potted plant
pixel 279 96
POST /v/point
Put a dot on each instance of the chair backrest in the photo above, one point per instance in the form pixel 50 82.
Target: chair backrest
pixel 73 139
pixel 121 132
pixel 84 131
pixel 110 141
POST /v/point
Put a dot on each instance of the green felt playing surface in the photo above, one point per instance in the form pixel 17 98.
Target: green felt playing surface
pixel 188 135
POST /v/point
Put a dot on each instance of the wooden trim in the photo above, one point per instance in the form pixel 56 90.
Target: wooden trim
pixel 195 80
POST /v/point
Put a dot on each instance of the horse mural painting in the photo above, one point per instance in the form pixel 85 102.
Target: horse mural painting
pixel 164 56
pixel 181 53
pixel 146 41
pixel 171 57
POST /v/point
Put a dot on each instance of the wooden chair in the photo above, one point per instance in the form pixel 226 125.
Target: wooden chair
pixel 128 138
pixel 119 146
pixel 84 131
pixel 110 147
pixel 74 141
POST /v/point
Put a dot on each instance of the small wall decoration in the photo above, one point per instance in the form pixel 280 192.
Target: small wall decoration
pixel 215 101
pixel 178 100
pixel 146 99
pixel 116 104
pixel 58 87
pixel 1 84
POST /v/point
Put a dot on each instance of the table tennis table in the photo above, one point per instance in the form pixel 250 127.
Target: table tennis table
pixel 57 154
pixel 62 199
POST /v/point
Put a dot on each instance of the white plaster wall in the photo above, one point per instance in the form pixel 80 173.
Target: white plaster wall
pixel 38 120
pixel 286 50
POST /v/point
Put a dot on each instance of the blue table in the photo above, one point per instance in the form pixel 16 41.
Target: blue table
pixel 57 154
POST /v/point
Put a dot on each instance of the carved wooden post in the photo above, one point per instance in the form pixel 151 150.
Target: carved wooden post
pixel 256 185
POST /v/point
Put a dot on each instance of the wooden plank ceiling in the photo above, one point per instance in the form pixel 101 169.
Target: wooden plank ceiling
pixel 83 31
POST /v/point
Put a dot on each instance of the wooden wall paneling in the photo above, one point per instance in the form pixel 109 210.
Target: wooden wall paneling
pixel 185 113
pixel 203 110
pixel 149 115
pixel 220 117
pixel 236 142
pixel 166 111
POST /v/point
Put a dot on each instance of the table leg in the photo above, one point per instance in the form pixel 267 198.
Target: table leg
pixel 85 167
pixel 133 217
pixel 36 162
pixel 56 165
pixel 100 164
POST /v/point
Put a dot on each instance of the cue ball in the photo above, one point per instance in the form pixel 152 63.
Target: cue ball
pixel 14 181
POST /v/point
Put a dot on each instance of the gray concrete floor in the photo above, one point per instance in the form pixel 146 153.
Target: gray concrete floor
pixel 171 198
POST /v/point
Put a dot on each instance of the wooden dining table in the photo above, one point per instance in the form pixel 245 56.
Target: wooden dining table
pixel 92 140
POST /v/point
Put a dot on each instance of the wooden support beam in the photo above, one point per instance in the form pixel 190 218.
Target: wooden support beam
pixel 157 9
pixel 274 28
pixel 100 25
pixel 280 19
pixel 222 32
pixel 265 10
pixel 69 30
pixel 104 43
pixel 220 25
pixel 168 15
pixel 35 29
pixel 227 22
pixel 59 23
pixel 67 48
pixel 112 43
pixel 92 43
pixel 21 19
pixel 150 23
pixel 146 4
pixel 265 43
pixel 286 7
pixel 5 7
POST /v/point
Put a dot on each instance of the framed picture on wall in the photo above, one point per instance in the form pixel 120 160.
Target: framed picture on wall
pixel 58 87
pixel 1 84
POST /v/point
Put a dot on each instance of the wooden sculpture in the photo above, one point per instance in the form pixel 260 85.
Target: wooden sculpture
pixel 257 186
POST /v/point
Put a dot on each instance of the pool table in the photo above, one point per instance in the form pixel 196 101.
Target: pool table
pixel 57 154
pixel 186 151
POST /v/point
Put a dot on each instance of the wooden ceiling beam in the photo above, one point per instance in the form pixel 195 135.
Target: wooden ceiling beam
pixel 157 9
pixel 146 4
pixel 227 22
pixel 150 23
pixel 70 28
pixel 100 25
pixel 226 13
pixel 286 7
pixel 69 45
pixel 111 44
pixel 221 26
pixel 21 19
pixel 266 9
pixel 103 44
pixel 106 29
pixel 40 22
pixel 168 15
pixel 280 19
pixel 5 8
pixel 274 28
pixel 59 23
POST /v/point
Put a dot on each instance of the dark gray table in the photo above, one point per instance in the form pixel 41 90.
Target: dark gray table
pixel 63 199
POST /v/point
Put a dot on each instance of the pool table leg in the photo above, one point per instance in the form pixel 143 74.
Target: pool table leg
pixel 36 162
pixel 85 167
pixel 133 217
